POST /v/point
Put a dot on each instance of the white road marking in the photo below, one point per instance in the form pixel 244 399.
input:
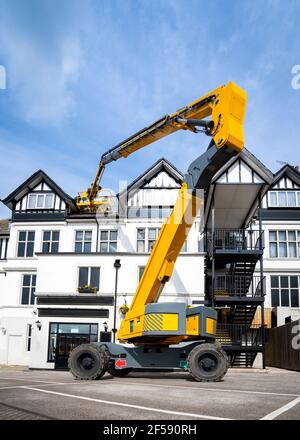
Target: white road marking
pixel 125 382
pixel 26 380
pixel 128 405
pixel 207 389
pixel 46 384
pixel 281 410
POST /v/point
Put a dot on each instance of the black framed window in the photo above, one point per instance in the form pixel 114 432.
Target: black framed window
pixel 108 240
pixel 285 290
pixel 28 289
pixel 50 242
pixel 89 277
pixel 29 334
pixel 70 328
pixel 26 243
pixel 83 241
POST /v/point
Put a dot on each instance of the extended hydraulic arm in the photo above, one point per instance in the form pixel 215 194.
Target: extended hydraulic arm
pixel 223 105
pixel 226 107
pixel 154 327
pixel 144 320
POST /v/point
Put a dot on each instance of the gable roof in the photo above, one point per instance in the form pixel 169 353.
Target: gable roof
pixel 30 184
pixel 261 170
pixel 244 197
pixel 288 170
pixel 161 164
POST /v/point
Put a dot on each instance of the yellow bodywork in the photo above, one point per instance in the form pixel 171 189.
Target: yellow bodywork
pixel 160 322
pixel 161 262
pixel 224 105
pixel 192 325
pixel 211 325
pixel 227 112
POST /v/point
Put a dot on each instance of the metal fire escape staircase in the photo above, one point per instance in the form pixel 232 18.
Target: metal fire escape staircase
pixel 234 289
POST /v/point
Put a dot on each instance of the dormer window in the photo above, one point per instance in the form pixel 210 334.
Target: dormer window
pixel 284 199
pixel 40 201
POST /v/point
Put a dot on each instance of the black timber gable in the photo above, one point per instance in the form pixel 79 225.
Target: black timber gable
pixel 38 187
pixel 286 174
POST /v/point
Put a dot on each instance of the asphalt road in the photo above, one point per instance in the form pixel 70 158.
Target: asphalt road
pixel 35 395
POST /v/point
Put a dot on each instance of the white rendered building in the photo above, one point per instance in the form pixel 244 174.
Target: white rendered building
pixel 57 274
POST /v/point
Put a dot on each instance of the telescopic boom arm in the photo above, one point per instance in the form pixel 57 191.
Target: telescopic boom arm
pixel 223 105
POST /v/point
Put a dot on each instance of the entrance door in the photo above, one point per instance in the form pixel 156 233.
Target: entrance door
pixel 65 344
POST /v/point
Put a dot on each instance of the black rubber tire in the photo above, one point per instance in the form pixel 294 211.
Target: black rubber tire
pixel 106 354
pixel 87 362
pixel 208 363
pixel 118 372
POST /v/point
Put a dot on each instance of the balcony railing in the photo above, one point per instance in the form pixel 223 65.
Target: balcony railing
pixel 240 335
pixel 235 239
pixel 239 285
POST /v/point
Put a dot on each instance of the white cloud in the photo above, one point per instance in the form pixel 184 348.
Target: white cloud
pixel 43 60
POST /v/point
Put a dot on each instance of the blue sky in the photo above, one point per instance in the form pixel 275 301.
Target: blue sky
pixel 84 75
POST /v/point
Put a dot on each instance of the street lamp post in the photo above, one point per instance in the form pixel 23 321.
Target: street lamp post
pixel 117 265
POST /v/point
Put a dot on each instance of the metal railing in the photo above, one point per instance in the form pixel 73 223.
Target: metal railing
pixel 235 239
pixel 239 285
pixel 240 335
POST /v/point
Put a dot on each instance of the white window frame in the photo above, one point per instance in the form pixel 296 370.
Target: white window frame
pixel 287 242
pixel 31 286
pixel 89 275
pixel 26 241
pixel 51 241
pixel 37 195
pixel 146 239
pixel 157 229
pixel 109 241
pixel 142 240
pixel 83 241
pixel 286 192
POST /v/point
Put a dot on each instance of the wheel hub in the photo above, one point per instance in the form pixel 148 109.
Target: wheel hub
pixel 87 363
pixel 208 363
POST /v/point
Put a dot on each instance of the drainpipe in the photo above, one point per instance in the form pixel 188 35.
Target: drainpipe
pixel 213 253
pixel 117 265
pixel 262 285
pixel 97 235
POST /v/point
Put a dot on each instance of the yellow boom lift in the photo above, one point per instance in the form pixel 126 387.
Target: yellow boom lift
pixel 169 335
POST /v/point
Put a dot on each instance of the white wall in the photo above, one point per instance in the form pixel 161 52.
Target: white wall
pixel 277 266
pixel 39 350
pixel 58 274
pixel 13 335
pixel 285 312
